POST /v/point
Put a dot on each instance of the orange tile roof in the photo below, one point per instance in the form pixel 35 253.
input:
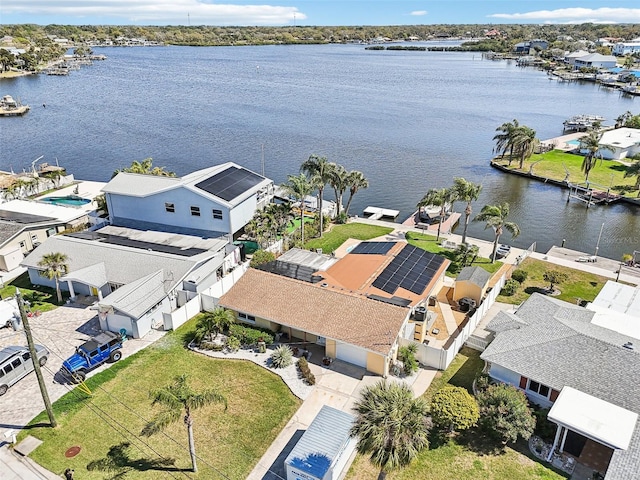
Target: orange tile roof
pixel 346 317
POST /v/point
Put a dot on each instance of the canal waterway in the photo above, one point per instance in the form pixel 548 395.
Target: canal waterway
pixel 409 120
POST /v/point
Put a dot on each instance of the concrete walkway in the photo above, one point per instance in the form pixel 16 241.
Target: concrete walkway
pixel 14 466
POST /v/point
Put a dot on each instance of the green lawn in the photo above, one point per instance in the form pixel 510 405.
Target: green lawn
pixel 429 243
pixel 40 298
pixel 260 404
pixel 332 239
pixel 580 284
pixel 606 173
pixel 471 456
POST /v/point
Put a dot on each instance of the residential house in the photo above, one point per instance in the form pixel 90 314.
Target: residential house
pixel 570 58
pixel 626 48
pixel 619 143
pixel 26 224
pixel 136 278
pixel 356 307
pixel 559 355
pixel 527 47
pixel 595 60
pixel 215 201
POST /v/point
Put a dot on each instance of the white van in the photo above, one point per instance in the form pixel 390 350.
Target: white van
pixel 16 363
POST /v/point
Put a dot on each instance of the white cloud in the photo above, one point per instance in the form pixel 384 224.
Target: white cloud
pixel 158 11
pixel 418 13
pixel 576 15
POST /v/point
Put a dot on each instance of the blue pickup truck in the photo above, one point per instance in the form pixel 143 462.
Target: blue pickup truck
pixel 104 347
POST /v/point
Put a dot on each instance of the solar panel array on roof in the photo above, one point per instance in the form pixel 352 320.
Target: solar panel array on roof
pixel 412 269
pixel 156 247
pixel 230 183
pixel 291 270
pixel 373 248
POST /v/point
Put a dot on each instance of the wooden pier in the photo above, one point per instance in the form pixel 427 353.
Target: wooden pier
pixel 447 225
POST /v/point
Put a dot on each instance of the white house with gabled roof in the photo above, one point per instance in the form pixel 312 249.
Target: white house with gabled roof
pixel 619 143
pixel 215 201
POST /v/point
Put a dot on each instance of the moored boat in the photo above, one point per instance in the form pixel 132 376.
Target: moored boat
pixel 10 107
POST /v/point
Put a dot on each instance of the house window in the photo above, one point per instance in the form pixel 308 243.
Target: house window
pixel 51 232
pixel 23 244
pixel 217 214
pixel 34 238
pixel 195 211
pixel 539 388
pixel 170 207
pixel 246 318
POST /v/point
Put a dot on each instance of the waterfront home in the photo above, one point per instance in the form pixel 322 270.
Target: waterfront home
pixel 215 201
pixel 560 357
pixel 26 224
pixel 619 143
pixel 137 280
pixel 594 60
pixel 626 48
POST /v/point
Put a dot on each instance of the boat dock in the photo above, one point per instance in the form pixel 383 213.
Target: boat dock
pixel 447 225
pixel 11 108
pixel 591 196
pixel 376 213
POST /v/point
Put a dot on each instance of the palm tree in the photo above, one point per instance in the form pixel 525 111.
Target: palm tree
pixel 495 216
pixel 145 167
pixel 320 170
pixel 466 192
pixel 55 266
pixel 590 143
pixel 356 181
pixel 298 187
pixel 442 198
pixel 391 425
pixel 178 397
pixel 504 139
pixel 633 170
pixel 524 142
pixel 213 322
pixel 338 182
pixel 621 120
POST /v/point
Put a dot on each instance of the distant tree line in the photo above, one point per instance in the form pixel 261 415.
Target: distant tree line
pixel 26 34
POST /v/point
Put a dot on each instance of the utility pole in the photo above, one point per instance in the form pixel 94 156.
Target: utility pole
pixel 34 358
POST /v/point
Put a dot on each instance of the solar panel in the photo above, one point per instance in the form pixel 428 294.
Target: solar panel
pixel 373 248
pixel 230 183
pixel 412 269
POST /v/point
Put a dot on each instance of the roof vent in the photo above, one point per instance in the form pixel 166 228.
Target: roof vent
pixel 324 285
pixel 628 346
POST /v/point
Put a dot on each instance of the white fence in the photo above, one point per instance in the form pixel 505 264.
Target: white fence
pixel 211 295
pixel 176 318
pixel 441 357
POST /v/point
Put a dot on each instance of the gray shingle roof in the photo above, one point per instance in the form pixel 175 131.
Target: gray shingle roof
pixel 138 297
pixel 8 230
pixel 554 343
pixel 476 275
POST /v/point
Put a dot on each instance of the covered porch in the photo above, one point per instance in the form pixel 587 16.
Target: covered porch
pixel 589 429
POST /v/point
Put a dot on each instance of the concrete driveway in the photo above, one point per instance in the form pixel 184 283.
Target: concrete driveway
pixel 61 331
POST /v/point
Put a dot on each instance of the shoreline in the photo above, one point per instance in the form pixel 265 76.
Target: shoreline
pixel 558 183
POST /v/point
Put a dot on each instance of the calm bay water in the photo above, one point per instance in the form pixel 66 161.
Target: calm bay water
pixel 409 120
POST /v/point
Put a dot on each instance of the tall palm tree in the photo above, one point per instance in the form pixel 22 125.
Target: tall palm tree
pixel 504 139
pixel 298 187
pixel 466 192
pixel 320 171
pixel 524 143
pixel 443 198
pixel 338 182
pixel 495 216
pixel 213 322
pixel 621 120
pixel 145 167
pixel 54 266
pixel 178 397
pixel 356 181
pixel 590 143
pixel 391 425
pixel 633 170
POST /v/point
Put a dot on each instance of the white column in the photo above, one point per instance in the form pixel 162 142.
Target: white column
pixel 99 295
pixel 72 292
pixel 564 438
pixel 555 443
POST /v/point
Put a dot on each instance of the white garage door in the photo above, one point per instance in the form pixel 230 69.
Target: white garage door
pixel 351 354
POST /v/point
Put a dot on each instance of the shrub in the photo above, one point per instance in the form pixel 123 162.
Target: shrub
pixel 250 335
pixel 505 413
pixel 233 344
pixel 452 408
pixel 510 287
pixel 519 275
pixel 262 256
pixel 554 277
pixel 482 381
pixel 545 429
pixel 407 355
pixel 281 357
pixel 305 371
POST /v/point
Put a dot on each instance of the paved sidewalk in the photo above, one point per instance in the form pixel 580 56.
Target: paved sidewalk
pixel 14 466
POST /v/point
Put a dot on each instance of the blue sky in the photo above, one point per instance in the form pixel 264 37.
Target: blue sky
pixel 315 12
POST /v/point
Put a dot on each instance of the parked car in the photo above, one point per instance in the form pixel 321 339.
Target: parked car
pixel 503 250
pixel 16 363
pixel 104 347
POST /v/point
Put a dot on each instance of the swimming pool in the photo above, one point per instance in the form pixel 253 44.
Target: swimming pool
pixel 573 142
pixel 68 200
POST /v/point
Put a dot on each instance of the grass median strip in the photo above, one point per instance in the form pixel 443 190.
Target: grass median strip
pixel 231 442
